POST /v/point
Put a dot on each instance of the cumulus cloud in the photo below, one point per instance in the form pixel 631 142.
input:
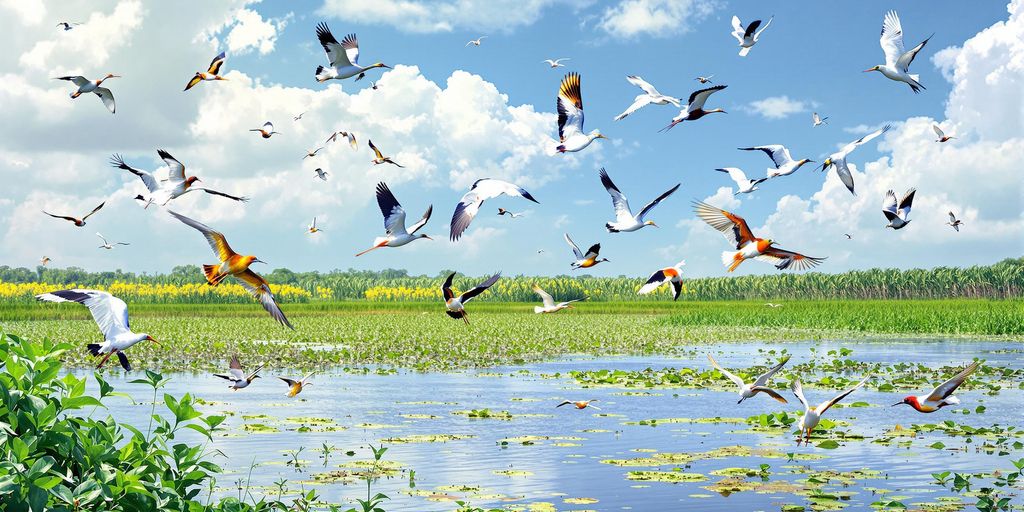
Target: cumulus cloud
pixel 777 107
pixel 440 15
pixel 250 31
pixel 657 18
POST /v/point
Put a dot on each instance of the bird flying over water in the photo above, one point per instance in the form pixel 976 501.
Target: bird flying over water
pixel 694 108
pixel 650 96
pixel 942 136
pixel 582 404
pixel 625 221
pixel 744 185
pixel 549 302
pixel 394 221
pixel 237 376
pixel 86 86
pixel 749 36
pixel 672 275
pixel 838 159
pixel 174 186
pixel 266 131
pixel 482 190
pixel 296 386
pixel 556 63
pixel 942 395
pixel 74 220
pixel 584 260
pixel 784 163
pixel 343 57
pixel 108 245
pixel 380 158
pixel 570 117
pixel 760 385
pixel 747 245
pixel 455 305
pixel 211 74
pixel 897 61
pixel 954 222
pixel 811 417
pixel 897 213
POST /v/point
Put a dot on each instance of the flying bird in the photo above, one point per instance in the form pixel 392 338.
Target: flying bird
pixel 736 231
pixel 954 222
pixel 343 57
pixel 650 96
pixel 86 86
pixel 704 79
pixel 584 260
pixel 557 63
pixel 550 306
pixel 743 184
pixel 455 305
pixel 672 275
pixel 266 131
pixel 749 36
pixel 570 117
pixel 784 163
pixel 296 386
pixel 942 136
pixel 45 261
pixel 68 26
pixel 838 159
pixel 373 85
pixel 111 316
pixel 236 265
pixel 211 74
pixel 312 153
pixel 477 41
pixel 174 186
pixel 76 221
pixel 848 236
pixel 511 215
pixel 396 234
pixel 811 417
pixel 897 213
pixel 482 190
pixel 694 109
pixel 381 159
pixel 582 404
pixel 817 120
pixel 312 227
pixel 772 305
pixel 897 61
pixel 942 395
pixel 760 385
pixel 108 245
pixel 348 135
pixel 237 376
pixel 298 117
pixel 320 173
pixel 625 221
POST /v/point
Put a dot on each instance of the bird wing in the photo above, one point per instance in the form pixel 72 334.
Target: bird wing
pixel 619 201
pixel 737 29
pixel 467 208
pixel 268 127
pixel 94 210
pixel 643 84
pixel 254 373
pixel 777 152
pixel 798 390
pixel 106 97
pixel 147 178
pixel 375 150
pixel 892 38
pixel 908 57
pixel 765 27
pixel 198 77
pixel 545 297
pixel 738 381
pixel 259 288
pixel 65 217
pixel 101 238
pixel 352 140
pixel 641 101
pixel 947 388
pixel 575 249
pixel 337 53
pixel 783 259
pixel 826 405
pixel 217 242
pixel 242 199
pixel 110 313
pixel 480 288
pixel 77 80
pixel 697 98
pixel 288 381
pixel 394 214
pixel 657 279
pixel 236 368
pixel 749 32
pixel 216 63
pixel 770 392
pixel 766 376
pixel 952 218
pixel 175 169
pixel 423 220
pixel 843 171
pixel 570 107
pixel 865 139
pixel 592 252
pixel 906 203
pixel 889 206
pixel 938 131
pixel 650 206
pixel 737 175
pixel 731 225
pixel 446 288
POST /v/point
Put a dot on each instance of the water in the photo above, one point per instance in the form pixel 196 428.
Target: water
pixel 571 468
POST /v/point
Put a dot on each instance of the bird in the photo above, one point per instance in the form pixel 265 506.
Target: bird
pixel 582 404
pixel 704 79
pixel 237 377
pixel 584 260
pixel 942 136
pixel 236 265
pixel 748 37
pixel 68 26
pixel 86 86
pixel 211 73
pixel 743 184
pixel 296 386
pixel 570 117
pixel 784 164
pixel 942 395
pixel 954 222
pixel 511 215
pixel 343 57
pixel 810 418
pixel 482 190
pixel 897 213
pixel 838 159
pixel 650 96
pixel 747 245
pixel 897 61
pixel 45 260
pixel 694 108
pixel 773 305
pixel 673 275
pixel 312 153
pixel 107 245
pixel 266 131
pixel 760 384
pixel 848 236
pixel 476 42
pixel 298 117
pixel 320 173
pixel 549 302
pixel 348 135
pixel 817 120
pixel 373 85
pixel 174 186
pixel 455 305
pixel 396 235
pixel 111 316
pixel 381 159
pixel 625 221
pixel 312 227
pixel 556 63
pixel 76 221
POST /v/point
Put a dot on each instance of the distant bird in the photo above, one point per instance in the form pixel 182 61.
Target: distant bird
pixel 704 79
pixel 312 153
pixel 348 135
pixel 455 305
pixel 942 136
pixel 749 36
pixel 373 85
pixel 482 190
pixel 174 186
pixel 811 417
pixel 584 260
pixel 625 221
pixel 312 227
pixel 549 302
pixel 236 375
pixel 760 385
pixel 511 215
pixel 477 41
pixel 897 213
pixel 86 86
pixel 296 386
pixel 557 63
pixel 772 305
pixel 381 159
pixel 954 222
pixel 111 316
pixel 540 251
pixel 107 245
pixel 343 57
pixel 211 73
pixel 838 159
pixel 747 245
pixel 266 131
pixel 942 395
pixel 76 221
pixel 45 261
pixel 897 61
pixel 743 184
pixel 320 173
pixel 298 117
pixel 650 96
pixel 673 275
pixel 394 221
pixel 848 236
pixel 818 121
pixel 236 265
pixel 570 117
pixel 582 404
pixel 68 26
pixel 784 164
pixel 694 108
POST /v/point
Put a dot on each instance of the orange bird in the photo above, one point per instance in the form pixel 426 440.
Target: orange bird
pixel 942 395
pixel 210 74
pixel 582 404
pixel 747 245
pixel 78 222
pixel 296 386
pixel 234 264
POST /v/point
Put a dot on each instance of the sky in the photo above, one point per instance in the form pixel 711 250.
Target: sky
pixel 453 114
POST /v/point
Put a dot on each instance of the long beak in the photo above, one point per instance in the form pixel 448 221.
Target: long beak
pixel 150 338
pixel 427 237
pixel 655 225
pixel 602 137
pixel 867 70
pixel 895 404
pixel 808 161
pixel 257 260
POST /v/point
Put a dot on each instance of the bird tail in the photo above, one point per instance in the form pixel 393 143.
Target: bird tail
pixel 744 52
pixel 319 70
pixel 731 259
pixel 210 271
pixel 94 348
pixel 951 400
pixel 538 309
pixel 648 288
pixel 610 229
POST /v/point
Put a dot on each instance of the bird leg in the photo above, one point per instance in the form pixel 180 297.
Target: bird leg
pixel 465 317
pixel 112 352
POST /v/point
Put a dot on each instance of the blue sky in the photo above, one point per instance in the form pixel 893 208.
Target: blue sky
pixel 809 59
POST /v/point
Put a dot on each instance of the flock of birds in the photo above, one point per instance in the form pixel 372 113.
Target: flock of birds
pixel 171 182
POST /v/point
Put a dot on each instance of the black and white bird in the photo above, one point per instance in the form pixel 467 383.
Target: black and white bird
pixel 236 374
pixel 396 234
pixel 744 185
pixel 784 163
pixel 625 221
pixel 897 61
pixel 760 385
pixel 482 190
pixel 455 306
pixel 649 97
pixel 818 121
pixel 942 135
pixel 343 57
pixel 109 245
pixel 897 213
pixel 954 222
pixel 749 36
pixel 175 185
pixel 694 108
pixel 511 215
pixel 672 275
pixel 838 159
pixel 320 173
pixel 68 25
pixel 584 260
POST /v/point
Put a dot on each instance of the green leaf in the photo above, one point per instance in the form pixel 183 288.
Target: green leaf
pixel 828 444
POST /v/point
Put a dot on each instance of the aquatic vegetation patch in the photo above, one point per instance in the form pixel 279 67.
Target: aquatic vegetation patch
pixel 427 438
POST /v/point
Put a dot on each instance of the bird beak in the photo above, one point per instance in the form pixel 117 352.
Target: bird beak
pixel 740 401
pixel 427 237
pixel 257 260
pixel 808 161
pixel 385 66
pixel 150 338
pixel 869 69
pixel 895 404
pixel 222 78
pixel 655 225
pixel 602 137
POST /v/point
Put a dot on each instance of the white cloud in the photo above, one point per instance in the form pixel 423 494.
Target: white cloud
pixel 31 12
pixel 777 107
pixel 441 15
pixel 658 18
pixel 250 31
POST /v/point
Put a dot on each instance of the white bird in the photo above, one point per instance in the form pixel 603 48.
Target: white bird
pixel 107 245
pixel 482 190
pixel 760 385
pixel 812 417
pixel 650 95
pixel 348 135
pixel 86 86
pixel 897 213
pixel 954 222
pixel 570 117
pixel 817 119
pixel 942 395
pixel 320 173
pixel 511 215
pixel 557 63
pixel 784 163
pixel 68 26
pixel 174 186
pixel 838 159
pixel 394 221
pixel 694 108
pixel 748 37
pixel 942 136
pixel 897 61
pixel 312 227
pixel 625 221
pixel 772 305
pixel 704 79
pixel 266 131
pixel 236 375
pixel 584 260
pixel 549 302
pixel 312 153
pixel 476 42
pixel 343 57
pixel 673 275
pixel 111 316
pixel 743 184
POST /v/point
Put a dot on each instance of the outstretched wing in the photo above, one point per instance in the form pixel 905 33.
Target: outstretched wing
pixel 259 288
pixel 148 179
pixel 107 98
pixel 697 98
pixel 777 152
pixel 175 169
pixel 865 139
pixel 198 77
pixel 891 39
pixel 641 101
pixel 110 313
pixel 570 107
pixel 545 297
pixel 337 53
pixel 480 288
pixel 94 210
pixel 657 279
pixel 446 288
pixel 242 199
pixel 375 150
pixel 217 242
pixel 731 225
pixel 938 131
pixel 766 376
pixel 749 33
pixel 77 80
pixel 738 381
pixel 619 201
pixel 947 388
pixel 737 29
pixel 798 390
pixel 464 213
pixel 575 248
pixel 643 84
pixel 394 214
pixel 650 206
pixel 423 220
pixel 826 405
pixel 216 63
pixel 906 203
pixel 889 206
pixel 843 171
pixel 783 259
